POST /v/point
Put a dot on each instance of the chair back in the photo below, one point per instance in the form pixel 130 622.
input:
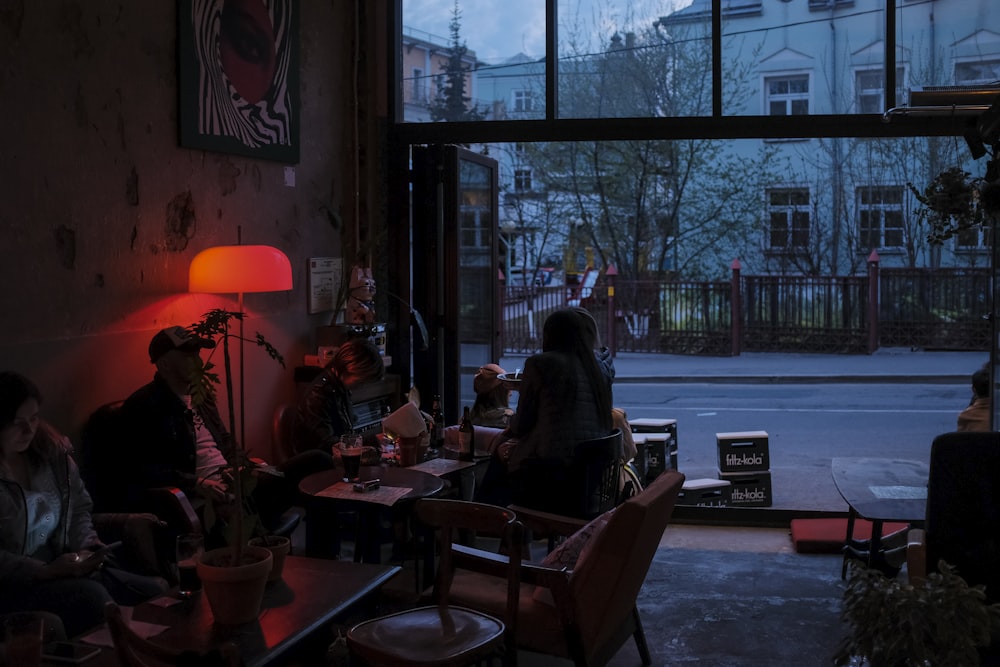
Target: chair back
pixel 134 651
pixel 98 456
pixel 282 429
pixel 597 468
pixel 610 572
pixel 584 489
pixel 963 507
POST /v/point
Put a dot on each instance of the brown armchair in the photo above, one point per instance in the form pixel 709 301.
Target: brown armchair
pixel 584 610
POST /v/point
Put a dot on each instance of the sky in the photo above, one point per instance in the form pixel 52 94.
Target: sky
pixel 498 29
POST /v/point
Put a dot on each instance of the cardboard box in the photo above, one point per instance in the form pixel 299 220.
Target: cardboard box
pixel 704 492
pixel 661 454
pixel 743 451
pixel 653 425
pixel 749 489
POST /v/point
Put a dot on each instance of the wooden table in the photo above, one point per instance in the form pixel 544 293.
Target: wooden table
pixel 310 595
pixel 322 511
pixel 881 490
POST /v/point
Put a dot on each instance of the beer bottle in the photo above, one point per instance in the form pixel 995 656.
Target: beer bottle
pixel 466 437
pixel 437 437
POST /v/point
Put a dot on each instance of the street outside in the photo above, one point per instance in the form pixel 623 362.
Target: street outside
pixel 814 408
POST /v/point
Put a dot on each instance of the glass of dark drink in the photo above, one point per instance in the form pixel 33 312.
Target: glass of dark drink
pixel 190 547
pixel 351 448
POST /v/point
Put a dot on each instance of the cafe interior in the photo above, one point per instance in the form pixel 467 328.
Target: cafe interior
pixel 122 170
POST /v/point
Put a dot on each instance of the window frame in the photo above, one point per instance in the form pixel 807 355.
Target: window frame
pixel 881 207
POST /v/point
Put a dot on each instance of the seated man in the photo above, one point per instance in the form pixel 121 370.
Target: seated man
pixel 175 442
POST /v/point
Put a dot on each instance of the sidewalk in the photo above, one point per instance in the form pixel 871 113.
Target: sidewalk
pixel 889 365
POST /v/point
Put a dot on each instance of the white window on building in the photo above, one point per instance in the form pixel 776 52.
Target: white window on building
pixel 880 218
pixel 522 180
pixel 974 238
pixel 419 85
pixel 870 89
pixel 787 95
pixel 789 210
pixel 522 101
pixel 978 72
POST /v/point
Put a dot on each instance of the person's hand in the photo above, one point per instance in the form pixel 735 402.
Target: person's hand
pixel 216 489
pixel 74 564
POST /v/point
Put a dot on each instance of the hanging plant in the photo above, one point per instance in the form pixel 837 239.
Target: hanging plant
pixel 951 202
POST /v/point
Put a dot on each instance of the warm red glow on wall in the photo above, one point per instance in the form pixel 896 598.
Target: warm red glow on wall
pixel 240 269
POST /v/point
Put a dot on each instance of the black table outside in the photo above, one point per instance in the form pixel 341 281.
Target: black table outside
pixel 880 490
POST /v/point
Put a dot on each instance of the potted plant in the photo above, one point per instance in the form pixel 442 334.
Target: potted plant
pixel 233 577
pixel 893 623
pixel 954 201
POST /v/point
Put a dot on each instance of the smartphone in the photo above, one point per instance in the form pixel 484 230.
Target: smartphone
pixel 69 652
pixel 105 550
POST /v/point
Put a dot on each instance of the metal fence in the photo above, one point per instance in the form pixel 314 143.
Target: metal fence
pixel 918 308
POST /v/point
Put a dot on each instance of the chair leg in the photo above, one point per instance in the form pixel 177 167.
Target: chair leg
pixel 640 639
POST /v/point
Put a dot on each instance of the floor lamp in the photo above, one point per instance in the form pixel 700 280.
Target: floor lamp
pixel 239 269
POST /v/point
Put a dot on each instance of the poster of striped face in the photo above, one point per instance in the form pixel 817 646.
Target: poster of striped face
pixel 239 77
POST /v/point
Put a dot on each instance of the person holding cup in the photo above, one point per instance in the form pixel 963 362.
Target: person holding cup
pixel 49 550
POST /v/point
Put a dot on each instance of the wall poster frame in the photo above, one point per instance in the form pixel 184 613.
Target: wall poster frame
pixel 238 77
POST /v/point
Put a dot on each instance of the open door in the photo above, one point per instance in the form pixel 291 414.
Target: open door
pixel 455 266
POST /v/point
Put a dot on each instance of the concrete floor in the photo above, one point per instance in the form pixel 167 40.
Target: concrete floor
pixel 721 596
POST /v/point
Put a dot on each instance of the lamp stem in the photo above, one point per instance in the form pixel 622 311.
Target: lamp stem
pixel 243 443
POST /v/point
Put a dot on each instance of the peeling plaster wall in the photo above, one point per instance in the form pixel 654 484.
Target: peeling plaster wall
pixel 101 211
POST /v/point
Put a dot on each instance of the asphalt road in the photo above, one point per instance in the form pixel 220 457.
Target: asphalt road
pixel 807 425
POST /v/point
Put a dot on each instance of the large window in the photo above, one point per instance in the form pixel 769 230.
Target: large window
pixel 789 212
pixel 869 87
pixel 977 72
pixel 880 218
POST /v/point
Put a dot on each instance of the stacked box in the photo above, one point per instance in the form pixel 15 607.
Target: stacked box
pixel 659 449
pixel 639 462
pixel 705 492
pixel 745 462
pixel 749 489
pixel 744 451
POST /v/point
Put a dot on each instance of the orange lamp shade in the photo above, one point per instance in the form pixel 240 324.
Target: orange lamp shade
pixel 240 268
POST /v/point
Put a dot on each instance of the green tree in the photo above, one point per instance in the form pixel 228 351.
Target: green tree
pixel 451 103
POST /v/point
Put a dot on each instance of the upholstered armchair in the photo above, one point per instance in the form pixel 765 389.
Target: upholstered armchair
pixel 580 601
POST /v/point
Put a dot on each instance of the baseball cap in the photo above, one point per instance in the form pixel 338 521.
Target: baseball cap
pixel 486 378
pixel 175 338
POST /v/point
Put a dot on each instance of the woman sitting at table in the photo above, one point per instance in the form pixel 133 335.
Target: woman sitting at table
pixel 565 398
pixel 324 411
pixel 47 539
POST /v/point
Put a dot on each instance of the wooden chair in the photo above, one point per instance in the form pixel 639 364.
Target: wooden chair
pixel 587 610
pixel 134 651
pixel 444 634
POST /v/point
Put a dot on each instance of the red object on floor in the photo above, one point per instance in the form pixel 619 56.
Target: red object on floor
pixel 826 536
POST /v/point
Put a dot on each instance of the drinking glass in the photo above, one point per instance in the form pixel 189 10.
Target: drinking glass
pixel 190 547
pixel 22 634
pixel 350 453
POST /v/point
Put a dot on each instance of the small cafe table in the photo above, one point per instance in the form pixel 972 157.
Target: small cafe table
pixel 330 495
pixel 880 490
pixel 311 593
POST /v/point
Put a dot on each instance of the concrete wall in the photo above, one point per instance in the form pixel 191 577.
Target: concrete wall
pixel 101 211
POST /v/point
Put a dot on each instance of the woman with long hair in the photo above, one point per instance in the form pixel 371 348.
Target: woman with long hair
pixel 49 550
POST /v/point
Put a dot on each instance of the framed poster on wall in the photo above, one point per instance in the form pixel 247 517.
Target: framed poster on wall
pixel 238 71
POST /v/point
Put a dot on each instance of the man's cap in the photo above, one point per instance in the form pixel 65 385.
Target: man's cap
pixel 486 379
pixel 175 338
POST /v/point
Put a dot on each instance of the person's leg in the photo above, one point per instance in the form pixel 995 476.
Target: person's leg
pixel 78 601
pixel 273 495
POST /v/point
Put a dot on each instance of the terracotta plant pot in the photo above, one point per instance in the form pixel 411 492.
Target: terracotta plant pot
pixel 234 592
pixel 279 547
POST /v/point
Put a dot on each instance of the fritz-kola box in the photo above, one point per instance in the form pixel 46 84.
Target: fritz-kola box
pixel 744 451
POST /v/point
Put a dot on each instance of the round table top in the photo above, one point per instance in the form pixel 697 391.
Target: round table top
pixel 421 484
